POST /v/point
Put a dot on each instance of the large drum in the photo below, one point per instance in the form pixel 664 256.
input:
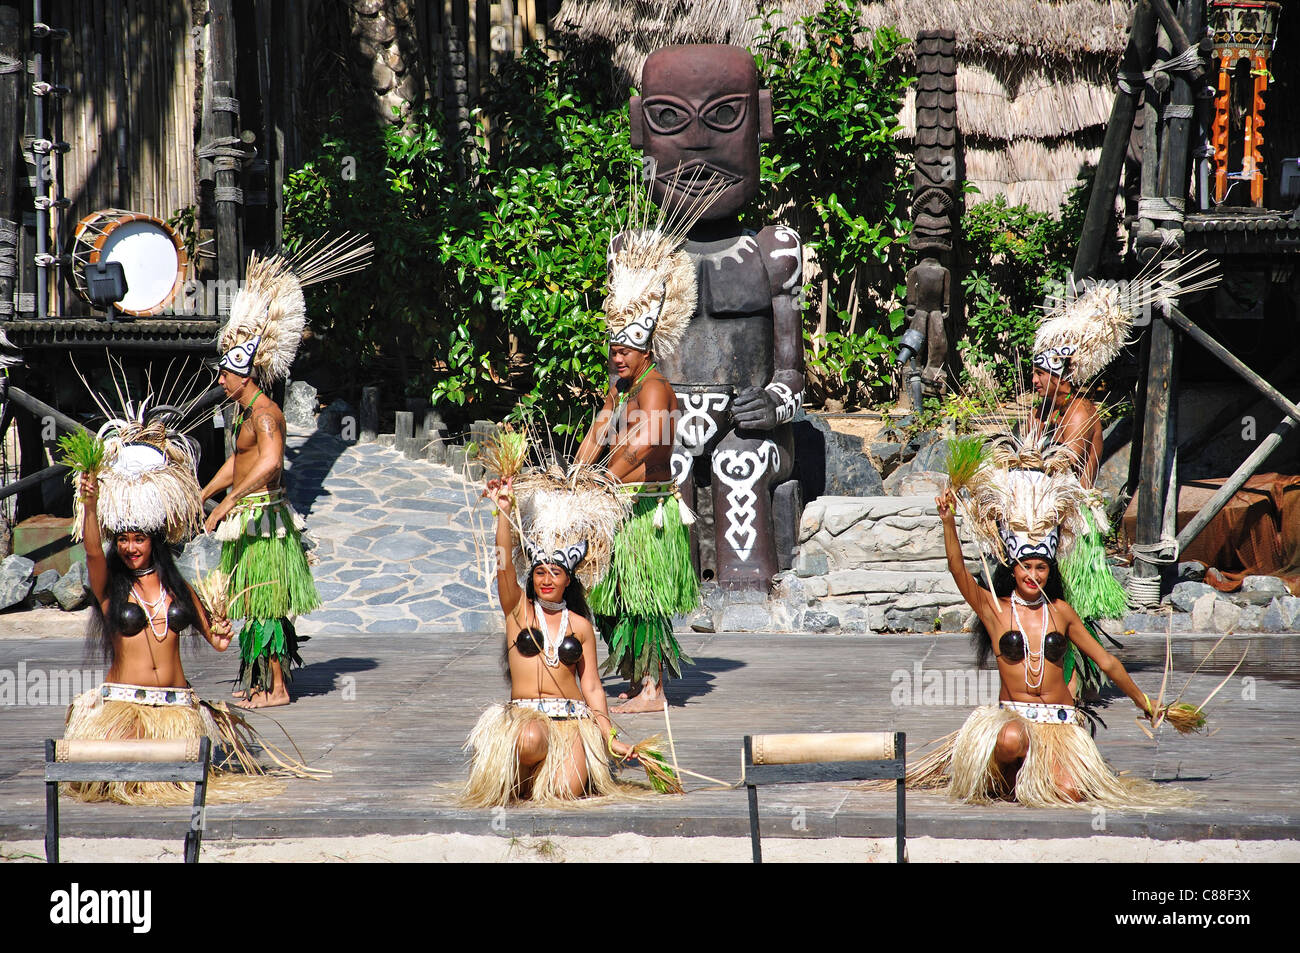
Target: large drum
pixel 149 250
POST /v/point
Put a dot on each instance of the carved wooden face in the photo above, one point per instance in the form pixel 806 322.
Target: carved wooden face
pixel 701 117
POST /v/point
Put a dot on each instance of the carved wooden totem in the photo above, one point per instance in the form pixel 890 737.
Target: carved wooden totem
pixel 739 371
pixel 936 203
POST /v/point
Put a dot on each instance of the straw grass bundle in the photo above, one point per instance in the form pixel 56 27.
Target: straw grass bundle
pixel 558 509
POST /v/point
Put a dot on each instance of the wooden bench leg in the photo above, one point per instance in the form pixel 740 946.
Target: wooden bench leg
pixel 753 824
pixel 194 836
pixel 51 810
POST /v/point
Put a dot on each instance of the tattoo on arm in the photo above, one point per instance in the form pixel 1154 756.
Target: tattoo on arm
pixel 265 422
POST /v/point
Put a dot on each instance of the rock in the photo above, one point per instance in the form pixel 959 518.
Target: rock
pixel 300 405
pixel 334 418
pixel 72 591
pixel 1249 619
pixel 702 621
pixel 953 619
pixel 886 455
pixel 832 463
pixel 43 588
pixel 920 483
pixel 1274 618
pixel 814 620
pixel 1260 590
pixel 15 580
pixel 932 456
pixel 1184 594
pixel 1203 611
pixel 810 564
pixel 199 557
pixel 744 618
pixel 385 439
pixel 1191 571
pixel 1291 610
pixel 1224 615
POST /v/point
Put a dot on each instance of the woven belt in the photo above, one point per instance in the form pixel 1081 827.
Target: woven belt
pixel 1044 714
pixel 142 695
pixel 554 707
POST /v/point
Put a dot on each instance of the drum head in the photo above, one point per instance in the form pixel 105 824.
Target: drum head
pixel 148 254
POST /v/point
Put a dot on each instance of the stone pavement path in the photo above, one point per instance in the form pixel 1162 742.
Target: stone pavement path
pixel 400 541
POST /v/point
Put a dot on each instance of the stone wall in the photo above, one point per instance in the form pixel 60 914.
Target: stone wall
pixel 876 564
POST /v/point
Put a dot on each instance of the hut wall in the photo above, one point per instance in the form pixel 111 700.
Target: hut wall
pixel 1034 80
pixel 129 118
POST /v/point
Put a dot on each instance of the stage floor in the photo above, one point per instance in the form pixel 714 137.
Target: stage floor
pixel 387 714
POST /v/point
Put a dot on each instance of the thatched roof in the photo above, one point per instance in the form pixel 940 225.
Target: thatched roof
pixel 1034 79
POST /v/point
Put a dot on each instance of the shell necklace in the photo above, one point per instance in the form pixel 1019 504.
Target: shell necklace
pixel 1034 667
pixel 153 610
pixel 551 649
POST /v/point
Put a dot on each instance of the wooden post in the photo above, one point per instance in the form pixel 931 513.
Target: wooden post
pixel 12 72
pixel 1137 57
pixel 227 197
pixel 369 415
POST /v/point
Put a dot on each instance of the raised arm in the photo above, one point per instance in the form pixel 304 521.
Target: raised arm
pixel 96 564
pixel 508 590
pixel 976 597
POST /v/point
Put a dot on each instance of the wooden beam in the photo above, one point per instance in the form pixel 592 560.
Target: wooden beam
pixel 1234 483
pixel 1177 319
pixel 1137 57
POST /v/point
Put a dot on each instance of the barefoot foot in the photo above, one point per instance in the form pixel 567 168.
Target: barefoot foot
pixel 265 699
pixel 652 699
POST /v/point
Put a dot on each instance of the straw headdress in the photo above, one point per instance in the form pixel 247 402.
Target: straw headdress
pixel 652 287
pixel 149 480
pixel 268 314
pixel 569 519
pixel 1087 326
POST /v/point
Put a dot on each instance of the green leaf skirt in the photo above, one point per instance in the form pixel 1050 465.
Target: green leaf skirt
pixel 650 580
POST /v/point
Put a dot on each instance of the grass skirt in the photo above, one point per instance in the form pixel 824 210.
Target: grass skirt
pixel 1055 751
pixel 650 580
pixel 262 548
pixel 234 776
pixel 495 778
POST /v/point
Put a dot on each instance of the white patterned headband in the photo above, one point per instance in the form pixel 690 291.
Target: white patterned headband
pixel 1055 360
pixel 637 333
pixel 1022 547
pixel 239 359
pixel 566 558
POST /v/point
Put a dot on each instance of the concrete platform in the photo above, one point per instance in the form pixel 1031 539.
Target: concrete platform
pixel 388 714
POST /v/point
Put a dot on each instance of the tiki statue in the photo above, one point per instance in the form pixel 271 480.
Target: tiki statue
pixel 738 373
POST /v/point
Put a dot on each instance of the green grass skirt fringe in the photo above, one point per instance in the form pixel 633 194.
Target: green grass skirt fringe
pixel 275 559
pixel 260 641
pixel 273 555
pixel 650 580
pixel 1094 593
pixel 1090 588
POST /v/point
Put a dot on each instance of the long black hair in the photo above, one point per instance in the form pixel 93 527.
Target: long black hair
pixel 100 629
pixel 1004 583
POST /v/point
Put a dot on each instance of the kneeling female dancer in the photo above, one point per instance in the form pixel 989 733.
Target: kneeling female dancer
pixel 551 741
pixel 1032 746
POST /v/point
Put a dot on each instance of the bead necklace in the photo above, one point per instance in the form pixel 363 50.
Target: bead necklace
pixel 1034 667
pixel 152 611
pixel 551 649
pixel 552 606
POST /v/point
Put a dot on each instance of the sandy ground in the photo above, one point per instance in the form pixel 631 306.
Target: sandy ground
pixel 46 622
pixel 634 848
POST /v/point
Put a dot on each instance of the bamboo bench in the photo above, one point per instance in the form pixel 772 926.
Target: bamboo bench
pixel 144 760
pixel 844 756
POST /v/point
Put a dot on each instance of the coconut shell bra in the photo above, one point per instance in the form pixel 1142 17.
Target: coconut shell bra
pixel 1012 646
